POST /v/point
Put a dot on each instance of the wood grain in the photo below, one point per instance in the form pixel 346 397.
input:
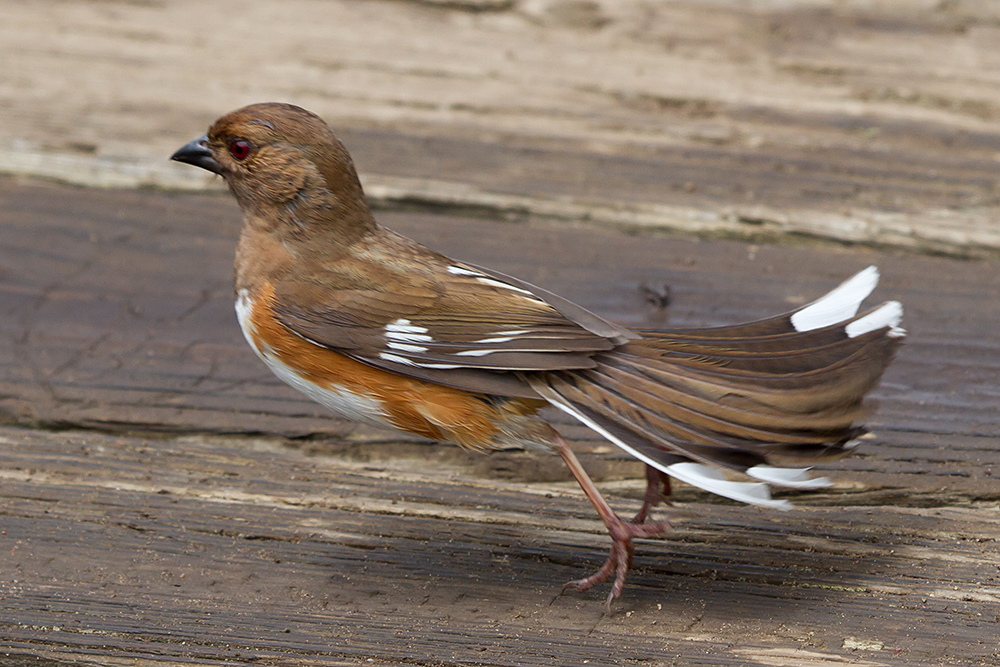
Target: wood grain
pixel 211 549
pixel 164 500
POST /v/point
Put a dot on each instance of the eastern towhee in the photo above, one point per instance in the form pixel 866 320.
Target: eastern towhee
pixel 382 330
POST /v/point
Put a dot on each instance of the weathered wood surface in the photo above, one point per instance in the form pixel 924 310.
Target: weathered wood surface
pixel 213 549
pixel 153 507
pixel 861 120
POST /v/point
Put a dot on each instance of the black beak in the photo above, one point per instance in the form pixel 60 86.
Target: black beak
pixel 199 154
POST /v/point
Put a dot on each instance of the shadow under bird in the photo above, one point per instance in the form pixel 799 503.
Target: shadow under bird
pixel 382 330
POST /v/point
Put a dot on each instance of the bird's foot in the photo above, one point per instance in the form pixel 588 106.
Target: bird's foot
pixel 622 532
pixel 620 559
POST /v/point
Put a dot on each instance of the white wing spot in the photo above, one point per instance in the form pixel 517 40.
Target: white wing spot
pixel 404 347
pixel 403 330
pixel 499 339
pixel 496 283
pixel 387 356
pixel 459 271
pixel 405 326
pixel 396 358
pixel 475 353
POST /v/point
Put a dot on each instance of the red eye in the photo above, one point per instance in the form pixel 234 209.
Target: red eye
pixel 240 149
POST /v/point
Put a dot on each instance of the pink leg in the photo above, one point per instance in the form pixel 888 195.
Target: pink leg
pixel 657 489
pixel 621 532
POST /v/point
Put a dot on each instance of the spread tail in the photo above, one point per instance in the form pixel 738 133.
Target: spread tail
pixel 767 399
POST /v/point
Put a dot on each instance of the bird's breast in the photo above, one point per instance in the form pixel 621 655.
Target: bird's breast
pixel 358 391
pixel 321 374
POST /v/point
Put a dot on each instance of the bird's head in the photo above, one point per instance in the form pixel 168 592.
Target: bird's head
pixel 282 161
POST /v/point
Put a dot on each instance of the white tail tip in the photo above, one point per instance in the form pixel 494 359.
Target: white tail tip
pixel 840 304
pixel 710 479
pixel 796 478
pixel 888 315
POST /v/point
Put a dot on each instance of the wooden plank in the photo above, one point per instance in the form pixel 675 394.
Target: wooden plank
pixel 211 549
pixel 847 119
pixel 194 546
pixel 123 320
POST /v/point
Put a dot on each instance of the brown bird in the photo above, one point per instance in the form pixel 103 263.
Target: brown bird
pixel 382 330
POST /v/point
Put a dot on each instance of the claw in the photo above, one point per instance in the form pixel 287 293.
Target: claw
pixel 620 559
pixel 622 532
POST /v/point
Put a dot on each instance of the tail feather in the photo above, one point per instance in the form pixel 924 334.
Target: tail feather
pixel 697 436
pixel 689 437
pixel 678 466
pixel 814 348
pixel 811 391
pixel 752 420
pixel 750 398
pixel 838 305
